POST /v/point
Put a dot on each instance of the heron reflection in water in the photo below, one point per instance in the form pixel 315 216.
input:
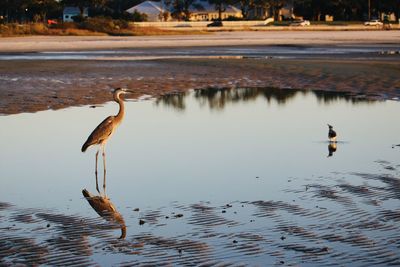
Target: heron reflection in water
pixel 106 209
pixel 103 132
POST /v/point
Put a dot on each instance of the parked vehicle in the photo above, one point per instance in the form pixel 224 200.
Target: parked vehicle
pixel 374 22
pixel 300 23
pixel 216 23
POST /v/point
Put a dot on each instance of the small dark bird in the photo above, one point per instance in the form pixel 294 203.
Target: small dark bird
pixel 331 134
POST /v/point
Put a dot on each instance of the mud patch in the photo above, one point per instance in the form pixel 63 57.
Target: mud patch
pixel 30 86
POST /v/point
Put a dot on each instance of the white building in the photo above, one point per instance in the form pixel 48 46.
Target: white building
pixel 153 10
pixel 70 12
pixel 203 10
pixel 200 10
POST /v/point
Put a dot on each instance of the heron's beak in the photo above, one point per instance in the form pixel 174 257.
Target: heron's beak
pixel 127 91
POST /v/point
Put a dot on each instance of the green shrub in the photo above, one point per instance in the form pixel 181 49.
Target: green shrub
pixel 12 29
pixel 135 16
pixel 78 19
pixel 233 18
pixel 38 28
pixel 65 25
pixel 106 25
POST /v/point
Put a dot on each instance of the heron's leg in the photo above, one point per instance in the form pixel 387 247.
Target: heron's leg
pixel 95 171
pixel 104 165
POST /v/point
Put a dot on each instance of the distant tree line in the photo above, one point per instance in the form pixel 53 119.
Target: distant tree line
pixel 41 10
pixel 346 9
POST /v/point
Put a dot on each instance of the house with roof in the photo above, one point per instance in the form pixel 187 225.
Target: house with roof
pixel 70 12
pixel 202 10
pixel 262 12
pixel 154 10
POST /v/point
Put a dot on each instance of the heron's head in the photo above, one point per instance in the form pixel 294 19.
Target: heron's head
pixel 119 91
pixel 330 126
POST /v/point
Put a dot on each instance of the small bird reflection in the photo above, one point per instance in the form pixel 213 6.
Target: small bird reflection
pixel 332 148
pixel 104 130
pixel 106 209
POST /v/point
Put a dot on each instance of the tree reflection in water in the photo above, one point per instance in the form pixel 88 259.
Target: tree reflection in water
pixel 217 98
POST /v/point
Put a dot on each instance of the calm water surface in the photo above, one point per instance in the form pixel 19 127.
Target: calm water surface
pixel 202 146
pixel 285 51
pixel 215 147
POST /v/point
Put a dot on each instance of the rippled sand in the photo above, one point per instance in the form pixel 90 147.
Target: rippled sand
pixel 341 220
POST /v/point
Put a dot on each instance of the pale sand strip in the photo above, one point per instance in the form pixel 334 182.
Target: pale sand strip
pixel 65 43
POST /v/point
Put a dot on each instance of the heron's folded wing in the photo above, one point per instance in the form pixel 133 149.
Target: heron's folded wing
pixel 102 132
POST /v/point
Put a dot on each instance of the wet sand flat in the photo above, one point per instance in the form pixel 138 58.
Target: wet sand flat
pixel 30 86
pixel 54 84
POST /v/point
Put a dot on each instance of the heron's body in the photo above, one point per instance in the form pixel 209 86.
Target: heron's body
pixel 331 134
pixel 104 130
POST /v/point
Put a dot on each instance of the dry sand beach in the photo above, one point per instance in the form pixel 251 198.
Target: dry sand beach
pixel 234 38
pixel 347 216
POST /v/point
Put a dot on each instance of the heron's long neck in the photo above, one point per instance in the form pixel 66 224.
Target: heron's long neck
pixel 121 111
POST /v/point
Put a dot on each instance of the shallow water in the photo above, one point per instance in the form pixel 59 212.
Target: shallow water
pixel 367 51
pixel 219 176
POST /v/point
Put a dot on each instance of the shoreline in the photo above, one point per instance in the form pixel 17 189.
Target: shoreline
pixel 234 38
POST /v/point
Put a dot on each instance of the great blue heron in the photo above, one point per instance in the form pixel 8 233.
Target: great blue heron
pixel 331 134
pixel 106 209
pixel 104 130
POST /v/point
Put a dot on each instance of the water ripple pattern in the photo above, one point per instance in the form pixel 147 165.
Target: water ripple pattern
pixel 342 220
